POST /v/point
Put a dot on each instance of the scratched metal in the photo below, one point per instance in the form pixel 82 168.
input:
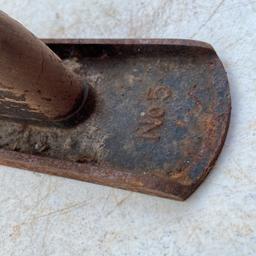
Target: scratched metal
pixel 159 113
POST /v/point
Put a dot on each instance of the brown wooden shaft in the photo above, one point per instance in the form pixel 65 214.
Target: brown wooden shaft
pixel 34 84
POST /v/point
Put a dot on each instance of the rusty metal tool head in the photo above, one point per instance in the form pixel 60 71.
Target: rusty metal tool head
pixel 159 110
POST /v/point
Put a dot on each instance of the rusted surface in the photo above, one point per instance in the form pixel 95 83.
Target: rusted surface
pixel 34 84
pixel 158 119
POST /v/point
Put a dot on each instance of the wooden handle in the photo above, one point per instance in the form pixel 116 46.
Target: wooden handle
pixel 34 84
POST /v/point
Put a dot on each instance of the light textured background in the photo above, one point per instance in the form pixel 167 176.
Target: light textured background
pixel 42 215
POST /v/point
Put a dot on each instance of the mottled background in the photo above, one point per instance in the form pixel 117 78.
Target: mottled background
pixel 42 215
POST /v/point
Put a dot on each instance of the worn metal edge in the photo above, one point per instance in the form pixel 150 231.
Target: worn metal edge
pixel 147 184
pixel 96 174
pixel 211 163
pixel 130 41
pixel 223 136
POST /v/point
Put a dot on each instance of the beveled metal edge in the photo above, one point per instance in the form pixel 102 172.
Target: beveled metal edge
pixel 131 41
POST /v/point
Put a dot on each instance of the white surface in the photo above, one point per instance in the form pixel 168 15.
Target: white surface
pixel 43 215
